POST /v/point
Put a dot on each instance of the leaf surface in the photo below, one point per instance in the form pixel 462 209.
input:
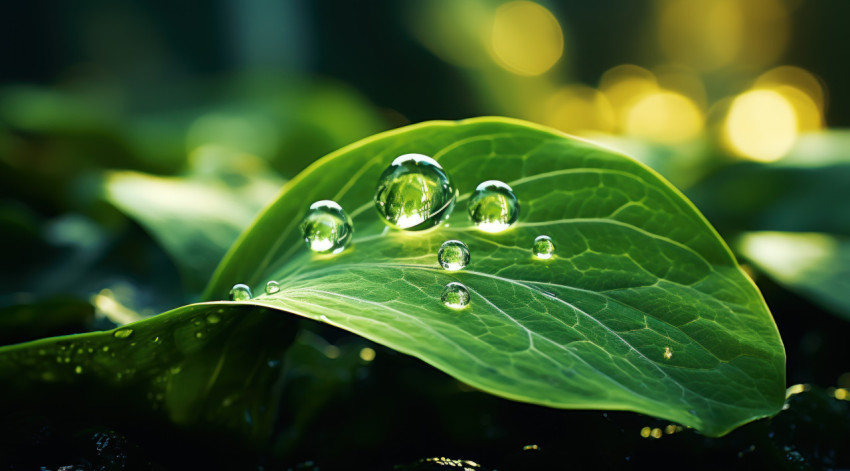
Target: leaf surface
pixel 642 308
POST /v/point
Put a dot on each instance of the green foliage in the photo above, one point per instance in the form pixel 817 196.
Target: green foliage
pixel 812 264
pixel 637 271
pixel 196 217
pixel 642 307
pixel 200 366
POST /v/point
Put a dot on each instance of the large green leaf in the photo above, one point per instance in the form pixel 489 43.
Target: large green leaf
pixel 638 273
pixel 813 264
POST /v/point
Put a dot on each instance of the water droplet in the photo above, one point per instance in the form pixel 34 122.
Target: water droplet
pixel 272 287
pixel 493 207
pixel 543 247
pixel 241 292
pixel 78 369
pixel 199 335
pixel 668 353
pixel 213 319
pixel 326 228
pixel 453 255
pixel 105 348
pixel 455 295
pixel 123 333
pixel 414 193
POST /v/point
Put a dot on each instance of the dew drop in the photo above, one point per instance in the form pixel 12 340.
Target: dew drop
pixel 455 295
pixel 199 335
pixel 123 333
pixel 668 353
pixel 493 207
pixel 272 287
pixel 414 193
pixel 241 292
pixel 213 319
pixel 453 255
pixel 78 369
pixel 326 228
pixel 543 247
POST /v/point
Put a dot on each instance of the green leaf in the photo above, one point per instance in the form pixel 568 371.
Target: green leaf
pixel 203 366
pixel 638 272
pixel 779 196
pixel 814 265
pixel 197 217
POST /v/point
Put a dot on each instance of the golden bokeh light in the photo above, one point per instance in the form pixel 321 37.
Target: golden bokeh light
pixel 581 110
pixel 713 34
pixel 664 116
pixel 625 84
pixel 761 125
pixel 367 354
pixel 526 38
pixel 456 32
pixel 683 80
pixel 809 117
pixel 796 77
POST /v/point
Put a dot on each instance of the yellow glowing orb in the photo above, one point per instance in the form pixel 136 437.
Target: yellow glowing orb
pixel 664 116
pixel 526 38
pixel 761 125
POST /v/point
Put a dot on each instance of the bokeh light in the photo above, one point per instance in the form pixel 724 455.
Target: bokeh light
pixel 664 116
pixel 526 38
pixel 580 110
pixel 761 125
pixel 713 34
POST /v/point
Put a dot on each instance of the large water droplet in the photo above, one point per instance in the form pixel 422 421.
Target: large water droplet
pixel 241 292
pixel 122 333
pixel 326 228
pixel 272 287
pixel 543 247
pixel 493 207
pixel 414 193
pixel 453 255
pixel 455 295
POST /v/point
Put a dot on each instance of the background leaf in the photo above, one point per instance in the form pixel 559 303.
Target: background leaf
pixel 637 271
pixel 812 264
pixel 196 218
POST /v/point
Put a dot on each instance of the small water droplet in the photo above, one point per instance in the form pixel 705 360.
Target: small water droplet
pixel 123 333
pixel 453 255
pixel 199 335
pixel 326 227
pixel 241 292
pixel 78 369
pixel 414 193
pixel 455 295
pixel 668 353
pixel 105 348
pixel 543 247
pixel 272 287
pixel 213 319
pixel 493 207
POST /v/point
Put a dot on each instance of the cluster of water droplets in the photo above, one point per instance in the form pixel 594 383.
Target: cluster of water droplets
pixel 415 193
